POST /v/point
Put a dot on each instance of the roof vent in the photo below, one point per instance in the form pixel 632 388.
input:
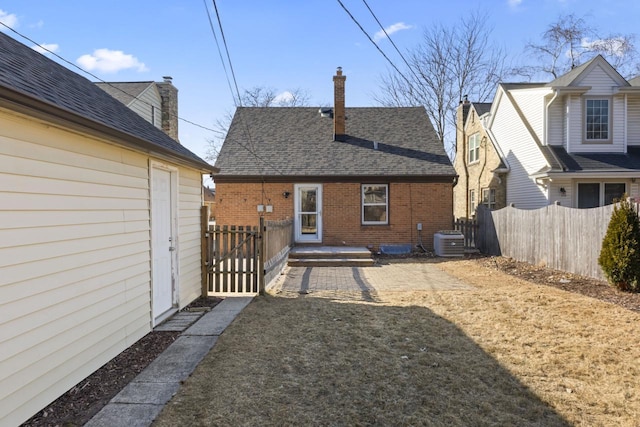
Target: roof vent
pixel 325 112
pixel 167 79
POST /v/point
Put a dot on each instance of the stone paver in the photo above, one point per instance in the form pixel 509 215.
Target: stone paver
pixel 365 282
pixel 140 402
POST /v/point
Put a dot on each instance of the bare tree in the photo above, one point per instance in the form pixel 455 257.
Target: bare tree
pixel 449 63
pixel 571 41
pixel 257 96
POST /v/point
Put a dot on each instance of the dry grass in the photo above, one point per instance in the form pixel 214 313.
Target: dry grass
pixel 504 353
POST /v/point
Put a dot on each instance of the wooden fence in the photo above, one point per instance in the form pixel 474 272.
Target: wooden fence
pixel 561 238
pixel 469 228
pixel 277 240
pixel 242 260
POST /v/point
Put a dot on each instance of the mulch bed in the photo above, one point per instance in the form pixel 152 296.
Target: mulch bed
pixel 87 398
pixel 590 287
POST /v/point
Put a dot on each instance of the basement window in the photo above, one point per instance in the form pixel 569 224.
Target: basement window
pixel 375 204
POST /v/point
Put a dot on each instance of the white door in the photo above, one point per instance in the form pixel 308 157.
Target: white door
pixel 162 241
pixel 308 224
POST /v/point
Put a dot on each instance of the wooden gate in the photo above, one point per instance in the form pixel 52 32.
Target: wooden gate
pixel 469 228
pixel 233 261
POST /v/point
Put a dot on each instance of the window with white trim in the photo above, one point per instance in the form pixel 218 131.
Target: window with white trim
pixel 474 147
pixel 375 204
pixel 597 119
pixel 489 198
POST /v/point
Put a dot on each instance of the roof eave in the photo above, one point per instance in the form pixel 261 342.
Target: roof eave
pixel 445 178
pixel 28 105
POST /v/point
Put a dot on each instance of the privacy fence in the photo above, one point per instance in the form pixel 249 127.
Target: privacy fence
pixel 561 238
pixel 243 260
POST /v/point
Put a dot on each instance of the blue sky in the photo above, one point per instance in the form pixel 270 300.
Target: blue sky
pixel 281 44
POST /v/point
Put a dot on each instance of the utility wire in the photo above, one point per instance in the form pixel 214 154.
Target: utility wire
pixel 215 37
pixel 98 78
pixel 226 47
pixel 371 40
pixel 392 42
pixel 251 148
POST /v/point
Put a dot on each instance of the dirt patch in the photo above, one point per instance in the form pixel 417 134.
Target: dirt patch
pixel 562 280
pixel 87 398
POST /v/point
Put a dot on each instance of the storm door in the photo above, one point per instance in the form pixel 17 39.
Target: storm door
pixel 308 224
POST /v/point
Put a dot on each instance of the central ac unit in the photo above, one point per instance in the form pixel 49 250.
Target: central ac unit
pixel 448 243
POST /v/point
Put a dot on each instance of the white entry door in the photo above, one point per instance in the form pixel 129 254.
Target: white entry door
pixel 308 224
pixel 162 241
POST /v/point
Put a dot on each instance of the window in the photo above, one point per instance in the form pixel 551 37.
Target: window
pixel 595 194
pixel 597 119
pixel 472 202
pixel 474 148
pixel 375 204
pixel 489 198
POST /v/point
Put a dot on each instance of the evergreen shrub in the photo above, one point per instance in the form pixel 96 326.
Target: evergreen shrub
pixel 620 253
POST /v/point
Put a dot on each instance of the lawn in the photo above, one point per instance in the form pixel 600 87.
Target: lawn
pixel 506 352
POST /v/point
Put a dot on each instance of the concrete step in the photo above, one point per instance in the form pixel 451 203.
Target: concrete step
pixel 320 252
pixel 330 262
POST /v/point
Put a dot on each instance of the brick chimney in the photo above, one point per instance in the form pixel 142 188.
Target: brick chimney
pixel 169 97
pixel 339 127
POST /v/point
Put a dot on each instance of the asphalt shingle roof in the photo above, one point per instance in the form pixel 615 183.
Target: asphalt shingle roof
pixel 598 162
pixel 297 141
pixel 29 73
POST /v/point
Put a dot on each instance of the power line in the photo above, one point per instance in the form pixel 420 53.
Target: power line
pixel 389 37
pixel 371 40
pixel 110 84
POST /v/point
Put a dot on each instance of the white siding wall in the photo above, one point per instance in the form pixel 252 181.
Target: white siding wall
pixel 190 232
pixel 555 195
pixel 633 121
pixel 142 105
pixel 523 156
pixel 531 103
pixel 557 134
pixel 74 259
pixel 600 82
pixel 601 85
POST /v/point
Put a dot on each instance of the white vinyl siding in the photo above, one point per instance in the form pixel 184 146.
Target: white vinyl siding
pixel 74 258
pixel 602 85
pixel 149 98
pixel 189 235
pixel 531 103
pixel 633 121
pixel 555 195
pixel 523 156
pixel 556 131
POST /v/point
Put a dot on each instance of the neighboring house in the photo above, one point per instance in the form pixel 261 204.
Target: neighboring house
pixel 481 172
pixel 156 102
pixel 100 229
pixel 347 176
pixel 575 140
pixel 210 200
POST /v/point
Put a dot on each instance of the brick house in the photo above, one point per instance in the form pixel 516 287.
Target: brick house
pixel 480 168
pixel 347 176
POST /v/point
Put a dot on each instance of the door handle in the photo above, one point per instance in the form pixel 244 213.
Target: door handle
pixel 172 248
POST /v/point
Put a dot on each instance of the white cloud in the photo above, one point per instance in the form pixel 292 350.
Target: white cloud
pixel 615 46
pixel 46 48
pixel 283 98
pixel 8 19
pixel 514 3
pixel 110 61
pixel 399 26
